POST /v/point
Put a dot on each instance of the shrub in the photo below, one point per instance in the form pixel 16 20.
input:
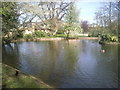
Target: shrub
pixel 27 36
pixel 94 33
pixel 114 38
pixel 105 34
pixel 109 38
pixel 40 34
pixel 60 31
pixel 60 35
pixel 20 34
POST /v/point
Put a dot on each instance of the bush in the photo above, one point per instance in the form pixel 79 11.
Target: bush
pixel 60 31
pixel 60 35
pixel 40 34
pixel 27 36
pixel 114 38
pixel 95 33
pixel 109 38
pixel 105 34
pixel 20 34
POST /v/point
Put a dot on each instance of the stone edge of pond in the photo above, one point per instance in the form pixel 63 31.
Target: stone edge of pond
pixel 52 39
pixel 34 78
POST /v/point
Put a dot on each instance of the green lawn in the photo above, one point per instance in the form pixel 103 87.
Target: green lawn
pixel 9 80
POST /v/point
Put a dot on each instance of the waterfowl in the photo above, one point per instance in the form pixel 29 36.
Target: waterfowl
pixel 102 50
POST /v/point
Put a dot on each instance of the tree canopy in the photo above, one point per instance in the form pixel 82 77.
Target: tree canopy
pixel 9 18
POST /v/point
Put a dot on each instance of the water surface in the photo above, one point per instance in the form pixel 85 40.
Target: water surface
pixel 66 64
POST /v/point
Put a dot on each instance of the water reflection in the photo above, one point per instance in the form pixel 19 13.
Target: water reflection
pixel 73 63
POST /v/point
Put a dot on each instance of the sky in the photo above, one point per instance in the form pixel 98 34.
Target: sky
pixel 87 10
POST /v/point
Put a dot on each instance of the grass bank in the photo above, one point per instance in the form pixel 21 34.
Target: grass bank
pixel 10 80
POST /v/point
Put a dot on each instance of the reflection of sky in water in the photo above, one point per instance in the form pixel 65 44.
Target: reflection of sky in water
pixel 67 64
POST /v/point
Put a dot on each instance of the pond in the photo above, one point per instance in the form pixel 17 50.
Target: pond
pixel 66 64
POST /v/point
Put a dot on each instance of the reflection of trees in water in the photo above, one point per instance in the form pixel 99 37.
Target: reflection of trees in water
pixel 111 49
pixel 53 47
pixel 84 45
pixel 10 54
pixel 111 52
pixel 71 56
pixel 53 61
pixel 48 60
pixel 59 58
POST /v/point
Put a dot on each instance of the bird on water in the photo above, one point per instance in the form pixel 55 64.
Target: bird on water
pixel 102 51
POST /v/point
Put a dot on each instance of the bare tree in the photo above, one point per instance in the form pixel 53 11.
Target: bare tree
pixel 110 13
pixel 107 17
pixel 118 20
pixel 84 25
pixel 49 14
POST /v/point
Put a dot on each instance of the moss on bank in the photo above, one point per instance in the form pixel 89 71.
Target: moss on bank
pixel 10 80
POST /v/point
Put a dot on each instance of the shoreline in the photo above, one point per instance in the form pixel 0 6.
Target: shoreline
pixel 12 70
pixel 54 38
pixel 60 38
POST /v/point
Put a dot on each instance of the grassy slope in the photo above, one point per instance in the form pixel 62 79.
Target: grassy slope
pixel 21 81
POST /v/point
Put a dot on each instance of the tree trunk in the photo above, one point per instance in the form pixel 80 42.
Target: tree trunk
pixel 119 21
pixel 110 15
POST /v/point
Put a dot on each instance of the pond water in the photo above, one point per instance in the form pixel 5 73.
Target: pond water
pixel 66 64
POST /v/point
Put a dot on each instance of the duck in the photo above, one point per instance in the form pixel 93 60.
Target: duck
pixel 102 51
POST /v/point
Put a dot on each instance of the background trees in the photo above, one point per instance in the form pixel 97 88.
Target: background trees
pixel 55 18
pixel 17 16
pixel 9 20
pixel 107 21
pixel 84 25
pixel 118 6
pixel 49 14
pixel 72 20
pixel 107 17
